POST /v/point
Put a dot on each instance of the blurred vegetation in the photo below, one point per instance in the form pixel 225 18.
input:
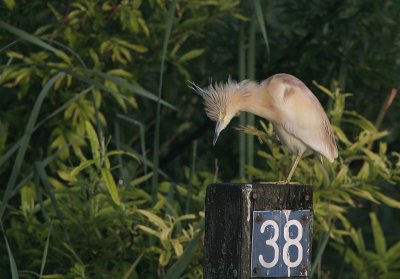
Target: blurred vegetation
pixel 105 154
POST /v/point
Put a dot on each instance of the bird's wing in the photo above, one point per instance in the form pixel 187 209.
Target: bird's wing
pixel 304 118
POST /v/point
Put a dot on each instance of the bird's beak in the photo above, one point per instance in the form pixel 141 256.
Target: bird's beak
pixel 217 131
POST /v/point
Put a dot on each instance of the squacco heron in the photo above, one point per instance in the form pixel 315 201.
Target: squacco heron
pixel 296 114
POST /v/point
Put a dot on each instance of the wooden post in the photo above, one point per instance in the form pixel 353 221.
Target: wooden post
pixel 229 222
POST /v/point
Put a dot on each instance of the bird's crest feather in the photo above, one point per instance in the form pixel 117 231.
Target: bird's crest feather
pixel 216 96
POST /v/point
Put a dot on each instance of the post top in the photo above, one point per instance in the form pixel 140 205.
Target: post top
pixel 266 196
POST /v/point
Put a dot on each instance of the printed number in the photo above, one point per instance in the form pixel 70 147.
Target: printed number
pixel 292 241
pixel 289 242
pixel 270 242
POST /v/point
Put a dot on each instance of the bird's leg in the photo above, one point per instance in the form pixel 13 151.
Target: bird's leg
pixel 296 162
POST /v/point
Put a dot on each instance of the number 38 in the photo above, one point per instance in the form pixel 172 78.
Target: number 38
pixel 288 242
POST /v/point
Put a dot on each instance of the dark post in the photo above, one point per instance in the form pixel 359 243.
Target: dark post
pixel 229 230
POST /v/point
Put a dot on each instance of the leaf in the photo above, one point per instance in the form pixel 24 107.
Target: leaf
pixel 66 175
pixel 240 17
pixel 364 194
pixel 165 238
pixel 375 158
pixel 83 165
pixel 355 260
pixel 358 240
pixel 191 23
pixel 261 23
pixel 341 135
pixel 46 249
pixel 62 55
pixel 321 248
pixel 53 276
pixel 393 254
pixel 164 258
pixel 379 238
pixel 191 55
pixel 135 47
pixel 13 54
pixel 324 89
pixel 149 231
pixel 154 219
pixel 27 37
pixel 139 180
pixel 176 270
pixel 178 248
pixel 122 152
pixel 387 200
pixel 185 217
pixel 364 172
pixel 39 197
pixel 94 143
pixel 111 186
pixel 127 275
pixel 360 121
pixel 120 73
pixel 13 265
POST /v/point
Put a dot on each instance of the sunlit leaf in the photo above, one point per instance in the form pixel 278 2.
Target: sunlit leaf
pixel 149 231
pixel 83 165
pixel 94 143
pixel 191 55
pixel 111 186
pixel 387 200
pixel 164 258
pixel 154 219
pixel 379 238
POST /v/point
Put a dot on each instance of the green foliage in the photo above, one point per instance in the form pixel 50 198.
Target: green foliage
pixel 381 263
pixel 82 199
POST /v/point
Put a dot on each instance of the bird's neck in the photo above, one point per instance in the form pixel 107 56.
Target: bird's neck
pixel 259 102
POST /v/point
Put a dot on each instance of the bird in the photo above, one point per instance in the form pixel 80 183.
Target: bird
pixel 297 116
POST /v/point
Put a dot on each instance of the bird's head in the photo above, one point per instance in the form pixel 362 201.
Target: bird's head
pixel 221 102
pixel 223 121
